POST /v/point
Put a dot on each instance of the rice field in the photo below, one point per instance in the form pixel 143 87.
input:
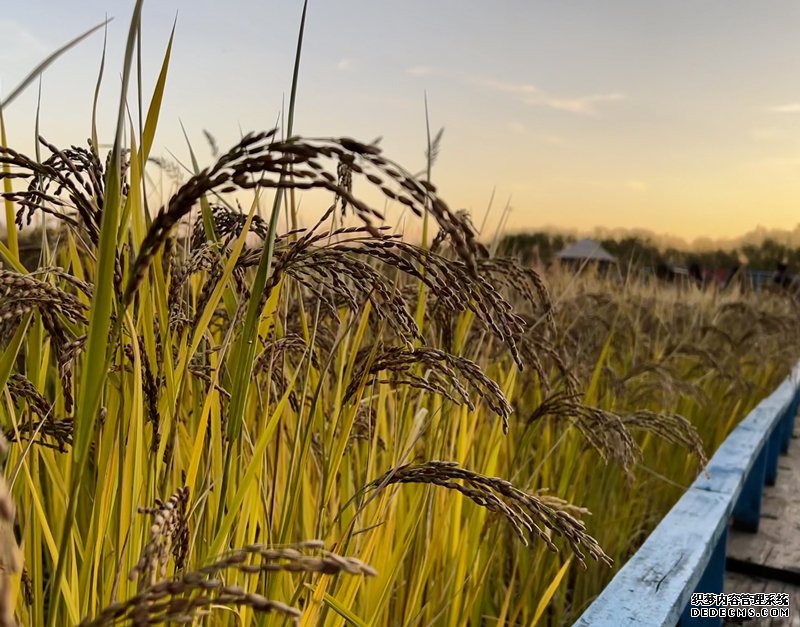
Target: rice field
pixel 215 414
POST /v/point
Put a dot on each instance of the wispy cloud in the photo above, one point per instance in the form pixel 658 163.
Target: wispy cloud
pixel 789 107
pixel 345 64
pixel 519 89
pixel 421 70
pixel 531 95
pixel 585 105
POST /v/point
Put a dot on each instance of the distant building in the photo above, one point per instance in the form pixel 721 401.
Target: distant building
pixel 586 252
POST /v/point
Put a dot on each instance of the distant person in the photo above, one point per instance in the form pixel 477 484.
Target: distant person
pixel 782 278
pixel 696 274
pixel 732 276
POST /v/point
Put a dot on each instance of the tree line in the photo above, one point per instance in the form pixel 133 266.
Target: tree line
pixel 632 251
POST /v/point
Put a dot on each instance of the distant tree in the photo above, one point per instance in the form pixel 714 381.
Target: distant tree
pixel 633 252
pixel 532 247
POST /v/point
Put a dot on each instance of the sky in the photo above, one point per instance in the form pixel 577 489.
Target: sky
pixel 681 117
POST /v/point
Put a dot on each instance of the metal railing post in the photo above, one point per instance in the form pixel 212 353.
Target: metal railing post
pixel 712 581
pixel 747 510
pixel 773 452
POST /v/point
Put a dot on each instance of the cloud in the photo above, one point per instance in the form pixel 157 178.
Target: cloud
pixel 517 127
pixel 789 107
pixel 531 95
pixel 519 89
pixel 345 64
pixel 421 70
pixel 584 105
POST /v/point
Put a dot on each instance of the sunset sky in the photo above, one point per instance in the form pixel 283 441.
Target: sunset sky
pixel 682 116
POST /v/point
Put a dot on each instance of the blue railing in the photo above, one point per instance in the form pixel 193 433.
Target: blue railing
pixel 686 552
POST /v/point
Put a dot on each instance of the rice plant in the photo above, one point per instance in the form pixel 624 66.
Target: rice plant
pixel 218 415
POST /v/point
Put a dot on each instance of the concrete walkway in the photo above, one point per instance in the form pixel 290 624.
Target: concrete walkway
pixel 769 561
